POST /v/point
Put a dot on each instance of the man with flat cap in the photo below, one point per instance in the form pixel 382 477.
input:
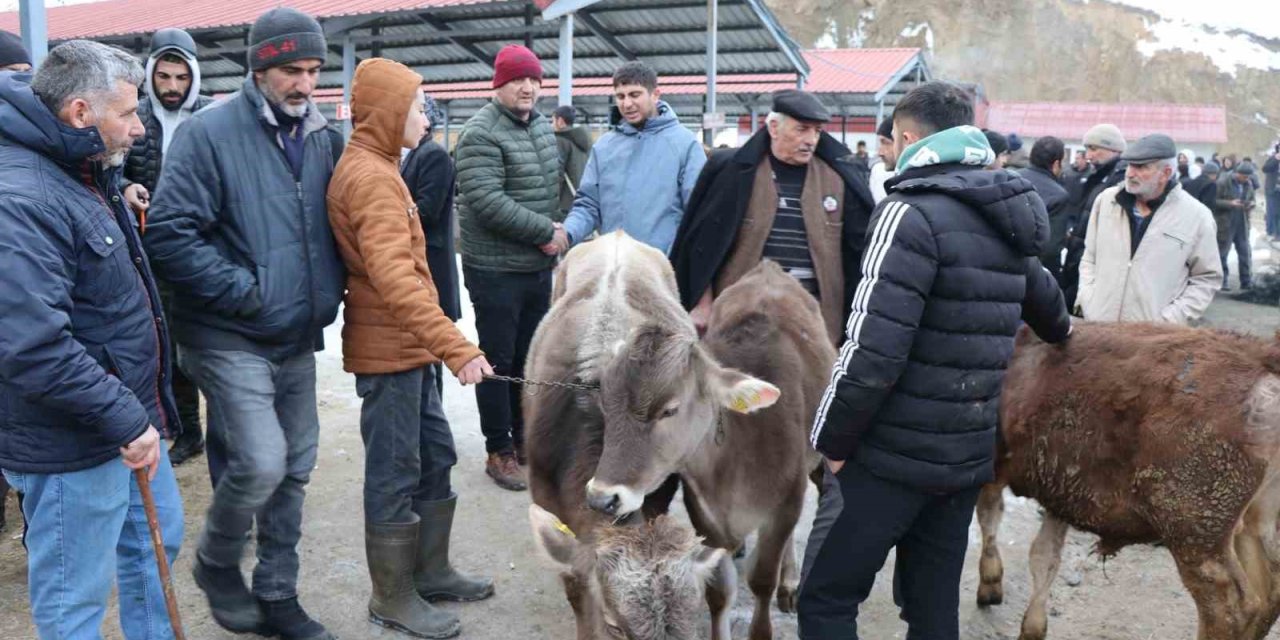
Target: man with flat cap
pixel 1236 197
pixel 1151 252
pixel 791 194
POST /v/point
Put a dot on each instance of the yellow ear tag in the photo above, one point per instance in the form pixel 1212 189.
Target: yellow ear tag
pixel 743 402
pixel 564 528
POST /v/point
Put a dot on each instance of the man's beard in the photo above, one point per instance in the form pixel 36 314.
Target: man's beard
pixel 1144 191
pixel 175 105
pixel 111 158
pixel 281 102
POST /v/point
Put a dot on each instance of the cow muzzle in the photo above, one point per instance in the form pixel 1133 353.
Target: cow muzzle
pixel 613 500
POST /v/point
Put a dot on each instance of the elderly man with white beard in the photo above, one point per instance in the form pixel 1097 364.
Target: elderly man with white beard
pixel 84 357
pixel 1151 252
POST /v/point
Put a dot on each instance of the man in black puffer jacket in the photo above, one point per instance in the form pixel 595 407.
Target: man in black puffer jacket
pixel 170 95
pixel 908 426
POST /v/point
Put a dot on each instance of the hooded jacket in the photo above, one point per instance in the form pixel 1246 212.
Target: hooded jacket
pixel 662 160
pixel 574 145
pixel 393 320
pixel 84 356
pixel 147 156
pixel 1171 277
pixel 950 275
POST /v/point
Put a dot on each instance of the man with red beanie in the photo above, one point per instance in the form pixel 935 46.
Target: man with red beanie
pixel 509 209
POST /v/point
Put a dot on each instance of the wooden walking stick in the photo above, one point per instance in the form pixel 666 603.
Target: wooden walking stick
pixel 162 559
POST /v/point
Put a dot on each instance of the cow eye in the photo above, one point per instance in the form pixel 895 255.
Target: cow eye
pixel 669 412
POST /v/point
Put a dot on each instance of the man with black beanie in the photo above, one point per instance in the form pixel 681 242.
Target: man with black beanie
pixel 240 228
pixel 13 56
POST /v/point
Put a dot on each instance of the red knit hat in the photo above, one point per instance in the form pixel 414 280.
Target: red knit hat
pixel 515 62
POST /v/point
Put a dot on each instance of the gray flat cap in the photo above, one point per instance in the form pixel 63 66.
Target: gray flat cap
pixel 1156 146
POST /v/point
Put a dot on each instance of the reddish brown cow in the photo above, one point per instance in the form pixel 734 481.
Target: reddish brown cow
pixel 1143 434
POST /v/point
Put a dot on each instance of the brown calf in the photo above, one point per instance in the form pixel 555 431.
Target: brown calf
pixel 1142 434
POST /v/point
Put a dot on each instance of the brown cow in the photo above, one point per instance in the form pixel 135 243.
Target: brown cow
pixel 668 406
pixel 1143 434
pixel 604 291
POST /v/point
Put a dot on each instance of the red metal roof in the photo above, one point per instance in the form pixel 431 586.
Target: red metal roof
pixel 1070 120
pixel 854 70
pixel 121 17
pixel 834 71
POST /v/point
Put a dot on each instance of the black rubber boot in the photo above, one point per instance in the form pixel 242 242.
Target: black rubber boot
pixel 433 576
pixel 395 604
pixel 234 608
pixel 285 618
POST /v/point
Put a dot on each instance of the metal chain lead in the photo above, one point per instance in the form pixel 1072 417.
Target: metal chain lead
pixel 575 386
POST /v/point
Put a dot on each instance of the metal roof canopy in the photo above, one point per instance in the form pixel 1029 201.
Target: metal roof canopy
pixel 456 40
pixel 853 83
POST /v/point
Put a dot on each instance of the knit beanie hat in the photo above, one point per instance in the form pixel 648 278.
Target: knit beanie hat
pixel 513 63
pixel 999 144
pixel 12 51
pixel 1106 136
pixel 285 35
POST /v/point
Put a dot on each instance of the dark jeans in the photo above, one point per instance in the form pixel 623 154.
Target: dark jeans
pixel 860 518
pixel 264 413
pixel 1273 213
pixel 408 446
pixel 1237 236
pixel 509 307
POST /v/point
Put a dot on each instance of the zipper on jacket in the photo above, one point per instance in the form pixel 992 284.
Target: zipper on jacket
pixel 306 249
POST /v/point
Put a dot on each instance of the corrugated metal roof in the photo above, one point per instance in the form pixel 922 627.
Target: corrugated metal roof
pixel 121 17
pixel 1070 120
pixel 835 71
pixel 855 70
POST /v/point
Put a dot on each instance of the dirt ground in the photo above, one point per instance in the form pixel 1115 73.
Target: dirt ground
pixel 1134 596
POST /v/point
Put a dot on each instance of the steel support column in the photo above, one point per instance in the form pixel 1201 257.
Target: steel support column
pixel 713 25
pixel 348 74
pixel 755 115
pixel 566 61
pixel 35 29
pixel 444 108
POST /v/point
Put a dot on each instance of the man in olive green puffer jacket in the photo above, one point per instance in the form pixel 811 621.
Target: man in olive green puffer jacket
pixel 508 205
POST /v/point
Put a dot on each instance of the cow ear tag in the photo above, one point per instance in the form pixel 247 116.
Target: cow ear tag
pixel 564 528
pixel 751 395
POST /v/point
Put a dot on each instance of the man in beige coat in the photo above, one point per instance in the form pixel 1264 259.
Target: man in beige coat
pixel 1151 253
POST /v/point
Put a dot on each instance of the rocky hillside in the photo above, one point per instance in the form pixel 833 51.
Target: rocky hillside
pixel 1065 50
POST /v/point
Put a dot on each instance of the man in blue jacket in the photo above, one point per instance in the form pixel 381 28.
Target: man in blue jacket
pixel 908 425
pixel 638 177
pixel 84 364
pixel 240 228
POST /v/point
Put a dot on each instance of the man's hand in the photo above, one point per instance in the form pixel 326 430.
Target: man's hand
pixel 559 242
pixel 1237 203
pixel 144 452
pixel 138 197
pixel 834 465
pixel 475 371
pixel 701 313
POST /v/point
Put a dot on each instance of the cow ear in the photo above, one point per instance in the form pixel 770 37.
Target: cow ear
pixel 555 539
pixel 741 393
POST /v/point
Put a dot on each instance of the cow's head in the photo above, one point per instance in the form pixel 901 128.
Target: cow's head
pixel 661 397
pixel 644 582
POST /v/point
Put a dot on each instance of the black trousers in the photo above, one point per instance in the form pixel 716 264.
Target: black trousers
pixel 509 307
pixel 860 518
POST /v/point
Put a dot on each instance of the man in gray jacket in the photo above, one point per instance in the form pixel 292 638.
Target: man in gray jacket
pixel 650 153
pixel 240 228
pixel 508 205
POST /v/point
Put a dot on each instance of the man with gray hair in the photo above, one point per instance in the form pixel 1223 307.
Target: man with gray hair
pixel 84 359
pixel 792 194
pixel 1142 267
pixel 240 228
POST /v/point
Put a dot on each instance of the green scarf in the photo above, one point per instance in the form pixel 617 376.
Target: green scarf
pixel 963 145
